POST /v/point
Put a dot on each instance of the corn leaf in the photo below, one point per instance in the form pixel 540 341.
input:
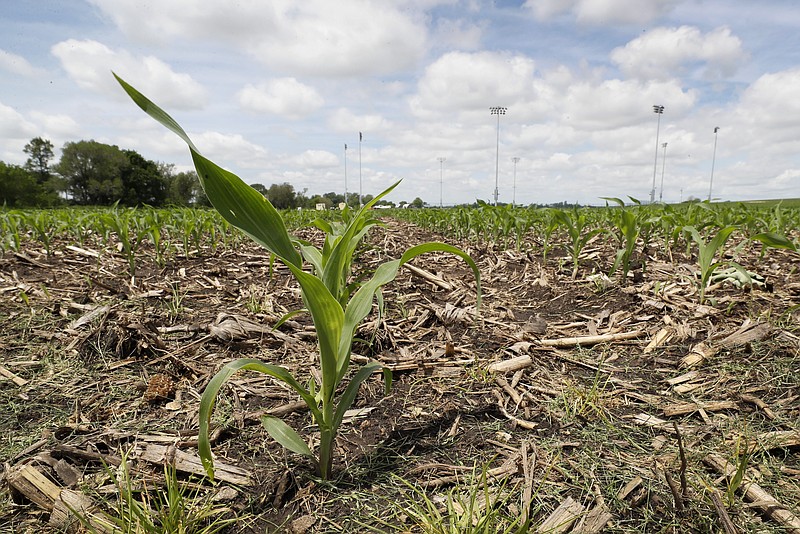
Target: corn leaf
pixel 215 384
pixel 237 202
pixel 775 240
pixel 285 435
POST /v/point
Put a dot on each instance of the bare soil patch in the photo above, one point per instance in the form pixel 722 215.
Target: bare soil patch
pixel 582 394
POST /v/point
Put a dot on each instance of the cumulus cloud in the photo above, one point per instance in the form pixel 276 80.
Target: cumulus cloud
pixel 458 33
pixel 665 53
pixel 772 101
pixel 282 96
pixel 344 120
pixel 313 37
pixel 319 159
pixel 89 63
pixel 16 64
pixel 598 12
pixel 14 125
pixel 460 81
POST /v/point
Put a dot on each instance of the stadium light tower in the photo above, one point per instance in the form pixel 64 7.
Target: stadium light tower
pixel 497 110
pixel 514 189
pixel 713 160
pixel 663 167
pixel 441 178
pixel 658 110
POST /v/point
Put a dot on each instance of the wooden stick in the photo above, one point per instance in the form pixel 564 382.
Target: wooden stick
pixel 757 495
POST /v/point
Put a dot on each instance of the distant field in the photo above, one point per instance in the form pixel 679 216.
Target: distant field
pixel 785 202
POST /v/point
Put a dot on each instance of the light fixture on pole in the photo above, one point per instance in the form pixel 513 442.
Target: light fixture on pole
pixel 658 110
pixel 441 176
pixel 514 187
pixel 497 110
pixel 713 160
pixel 345 175
pixel 663 166
pixel 360 138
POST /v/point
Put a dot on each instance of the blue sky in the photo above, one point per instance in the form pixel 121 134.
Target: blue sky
pixel 274 90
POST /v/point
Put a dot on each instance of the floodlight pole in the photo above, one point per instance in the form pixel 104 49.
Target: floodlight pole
pixel 663 166
pixel 497 110
pixel 345 175
pixel 441 178
pixel 658 110
pixel 360 196
pixel 514 187
pixel 713 160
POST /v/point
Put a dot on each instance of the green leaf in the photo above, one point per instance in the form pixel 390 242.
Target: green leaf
pixel 215 384
pixel 237 202
pixel 285 435
pixel 350 392
pixel 775 240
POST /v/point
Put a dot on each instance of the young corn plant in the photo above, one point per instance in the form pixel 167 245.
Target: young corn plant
pixel 575 223
pixel 707 252
pixel 336 307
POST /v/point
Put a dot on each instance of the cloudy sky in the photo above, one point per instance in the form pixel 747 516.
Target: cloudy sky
pixel 273 90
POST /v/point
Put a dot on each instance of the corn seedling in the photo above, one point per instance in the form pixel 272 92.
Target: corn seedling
pixel 575 224
pixel 706 253
pixel 336 307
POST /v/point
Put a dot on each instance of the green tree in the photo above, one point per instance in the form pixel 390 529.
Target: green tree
pixel 142 182
pixel 261 188
pixel 417 203
pixel 40 153
pixel 185 190
pixel 93 171
pixel 282 196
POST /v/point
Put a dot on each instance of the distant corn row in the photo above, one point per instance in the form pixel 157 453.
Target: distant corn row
pixel 165 232
pixel 522 227
pixel 175 232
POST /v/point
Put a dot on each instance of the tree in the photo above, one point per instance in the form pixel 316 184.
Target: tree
pixel 142 183
pixel 40 152
pixel 185 190
pixel 93 171
pixel 16 186
pixel 282 196
pixel 417 203
pixel 261 188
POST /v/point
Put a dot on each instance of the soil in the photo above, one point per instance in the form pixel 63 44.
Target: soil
pixel 621 393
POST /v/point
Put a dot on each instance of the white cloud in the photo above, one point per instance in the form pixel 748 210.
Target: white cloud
pixel 313 37
pixel 16 64
pixel 14 125
pixel 772 102
pixel 282 96
pixel 599 12
pixel 471 82
pixel 318 159
pixel 665 53
pixel 58 126
pixel 458 34
pixel 89 63
pixel 345 121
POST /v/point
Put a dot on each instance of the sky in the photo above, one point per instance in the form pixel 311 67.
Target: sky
pixel 274 90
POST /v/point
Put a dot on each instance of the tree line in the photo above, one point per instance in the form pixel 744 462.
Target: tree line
pixel 94 173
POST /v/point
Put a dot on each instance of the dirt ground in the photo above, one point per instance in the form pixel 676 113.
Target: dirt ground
pixel 586 404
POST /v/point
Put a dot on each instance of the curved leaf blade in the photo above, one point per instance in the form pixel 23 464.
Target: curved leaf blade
pixel 285 435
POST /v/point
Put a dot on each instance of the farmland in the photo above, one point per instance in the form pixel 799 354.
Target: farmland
pixel 630 369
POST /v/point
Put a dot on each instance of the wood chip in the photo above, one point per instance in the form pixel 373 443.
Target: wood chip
pixel 756 494
pixel 562 518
